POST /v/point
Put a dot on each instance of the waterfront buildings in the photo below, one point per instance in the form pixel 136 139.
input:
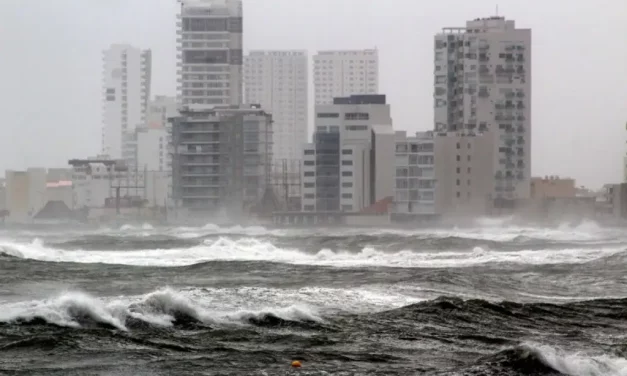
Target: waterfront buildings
pixel 125 93
pixel 482 84
pixel 415 182
pixel 277 80
pixel 209 39
pixel 221 157
pixel 349 165
pixel 344 73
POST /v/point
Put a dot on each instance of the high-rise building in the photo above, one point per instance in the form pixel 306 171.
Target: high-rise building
pixel 210 52
pixel 482 84
pixel 221 157
pixel 277 80
pixel 349 165
pixel 126 90
pixel 345 73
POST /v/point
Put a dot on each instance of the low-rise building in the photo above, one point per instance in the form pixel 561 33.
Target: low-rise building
pixel 552 187
pixel 25 193
pixel 101 182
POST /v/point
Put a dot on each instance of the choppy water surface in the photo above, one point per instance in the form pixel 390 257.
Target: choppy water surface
pixel 495 299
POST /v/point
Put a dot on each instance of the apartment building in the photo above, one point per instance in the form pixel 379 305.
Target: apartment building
pixel 344 73
pixel 221 157
pixel 482 84
pixel 277 80
pixel 415 182
pixel 464 173
pixel 209 52
pixel 125 93
pixel 348 166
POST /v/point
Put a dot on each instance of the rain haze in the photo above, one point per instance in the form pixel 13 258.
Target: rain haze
pixel 162 214
pixel 51 67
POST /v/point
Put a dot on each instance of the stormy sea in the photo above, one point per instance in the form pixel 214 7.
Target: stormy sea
pixel 495 298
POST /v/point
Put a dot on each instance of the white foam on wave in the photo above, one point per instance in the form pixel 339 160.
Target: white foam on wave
pixel 158 308
pixel 251 249
pixel 578 364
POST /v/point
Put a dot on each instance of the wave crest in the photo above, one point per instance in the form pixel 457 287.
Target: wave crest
pixel 536 359
pixel 161 308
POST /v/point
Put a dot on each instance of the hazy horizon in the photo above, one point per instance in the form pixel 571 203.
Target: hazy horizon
pixel 52 68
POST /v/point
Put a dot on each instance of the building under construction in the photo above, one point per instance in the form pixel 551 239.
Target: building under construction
pixel 222 160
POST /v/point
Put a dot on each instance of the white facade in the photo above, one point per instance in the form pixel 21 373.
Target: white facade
pixel 125 92
pixel 210 58
pixel 152 149
pixel 344 73
pixel 415 180
pixel 95 180
pixel 277 80
pixel 482 80
pixel 338 172
pixel 160 109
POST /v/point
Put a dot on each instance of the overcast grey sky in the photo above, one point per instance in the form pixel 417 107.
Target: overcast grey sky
pixel 51 65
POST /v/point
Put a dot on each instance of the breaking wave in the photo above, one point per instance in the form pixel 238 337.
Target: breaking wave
pixel 251 249
pixel 538 359
pixel 162 308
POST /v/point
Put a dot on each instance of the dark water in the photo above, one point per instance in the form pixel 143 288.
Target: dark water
pixel 491 300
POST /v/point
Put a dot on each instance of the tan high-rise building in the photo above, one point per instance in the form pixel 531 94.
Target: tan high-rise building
pixel 482 85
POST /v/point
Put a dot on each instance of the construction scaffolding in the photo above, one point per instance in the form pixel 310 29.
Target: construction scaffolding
pixel 285 179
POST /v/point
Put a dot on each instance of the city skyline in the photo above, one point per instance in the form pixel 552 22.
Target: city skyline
pixel 555 116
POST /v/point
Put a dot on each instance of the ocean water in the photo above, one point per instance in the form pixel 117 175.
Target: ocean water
pixel 491 299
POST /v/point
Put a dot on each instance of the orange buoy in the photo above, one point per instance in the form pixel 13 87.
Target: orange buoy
pixel 296 364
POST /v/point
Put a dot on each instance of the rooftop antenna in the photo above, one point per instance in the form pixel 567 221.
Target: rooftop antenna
pixel 497 10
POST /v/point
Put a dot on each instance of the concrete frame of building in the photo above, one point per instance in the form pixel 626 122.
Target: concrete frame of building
pixel 221 158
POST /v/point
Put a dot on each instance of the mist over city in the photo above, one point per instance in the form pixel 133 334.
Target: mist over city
pixel 285 187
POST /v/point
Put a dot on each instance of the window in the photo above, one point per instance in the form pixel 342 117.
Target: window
pixel 458 194
pixel 347 185
pixel 310 195
pixel 347 151
pixel 469 145
pixel 469 170
pixel 356 127
pixel 458 182
pixel 310 152
pixel 356 116
pixel 347 163
pixel 468 182
pixel 347 195
pixel 347 173
pixel 458 146
pixel 327 115
pixel 459 158
pixel 310 173
pixel 458 170
pixel 309 208
pixel 309 163
pixel 310 185
pixel 347 207
pixel 468 158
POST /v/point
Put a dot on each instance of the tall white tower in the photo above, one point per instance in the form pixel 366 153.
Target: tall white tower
pixel 482 84
pixel 277 80
pixel 345 73
pixel 125 92
pixel 209 36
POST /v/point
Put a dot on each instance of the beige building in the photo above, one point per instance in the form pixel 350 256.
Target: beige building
pixel 464 173
pixel 552 187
